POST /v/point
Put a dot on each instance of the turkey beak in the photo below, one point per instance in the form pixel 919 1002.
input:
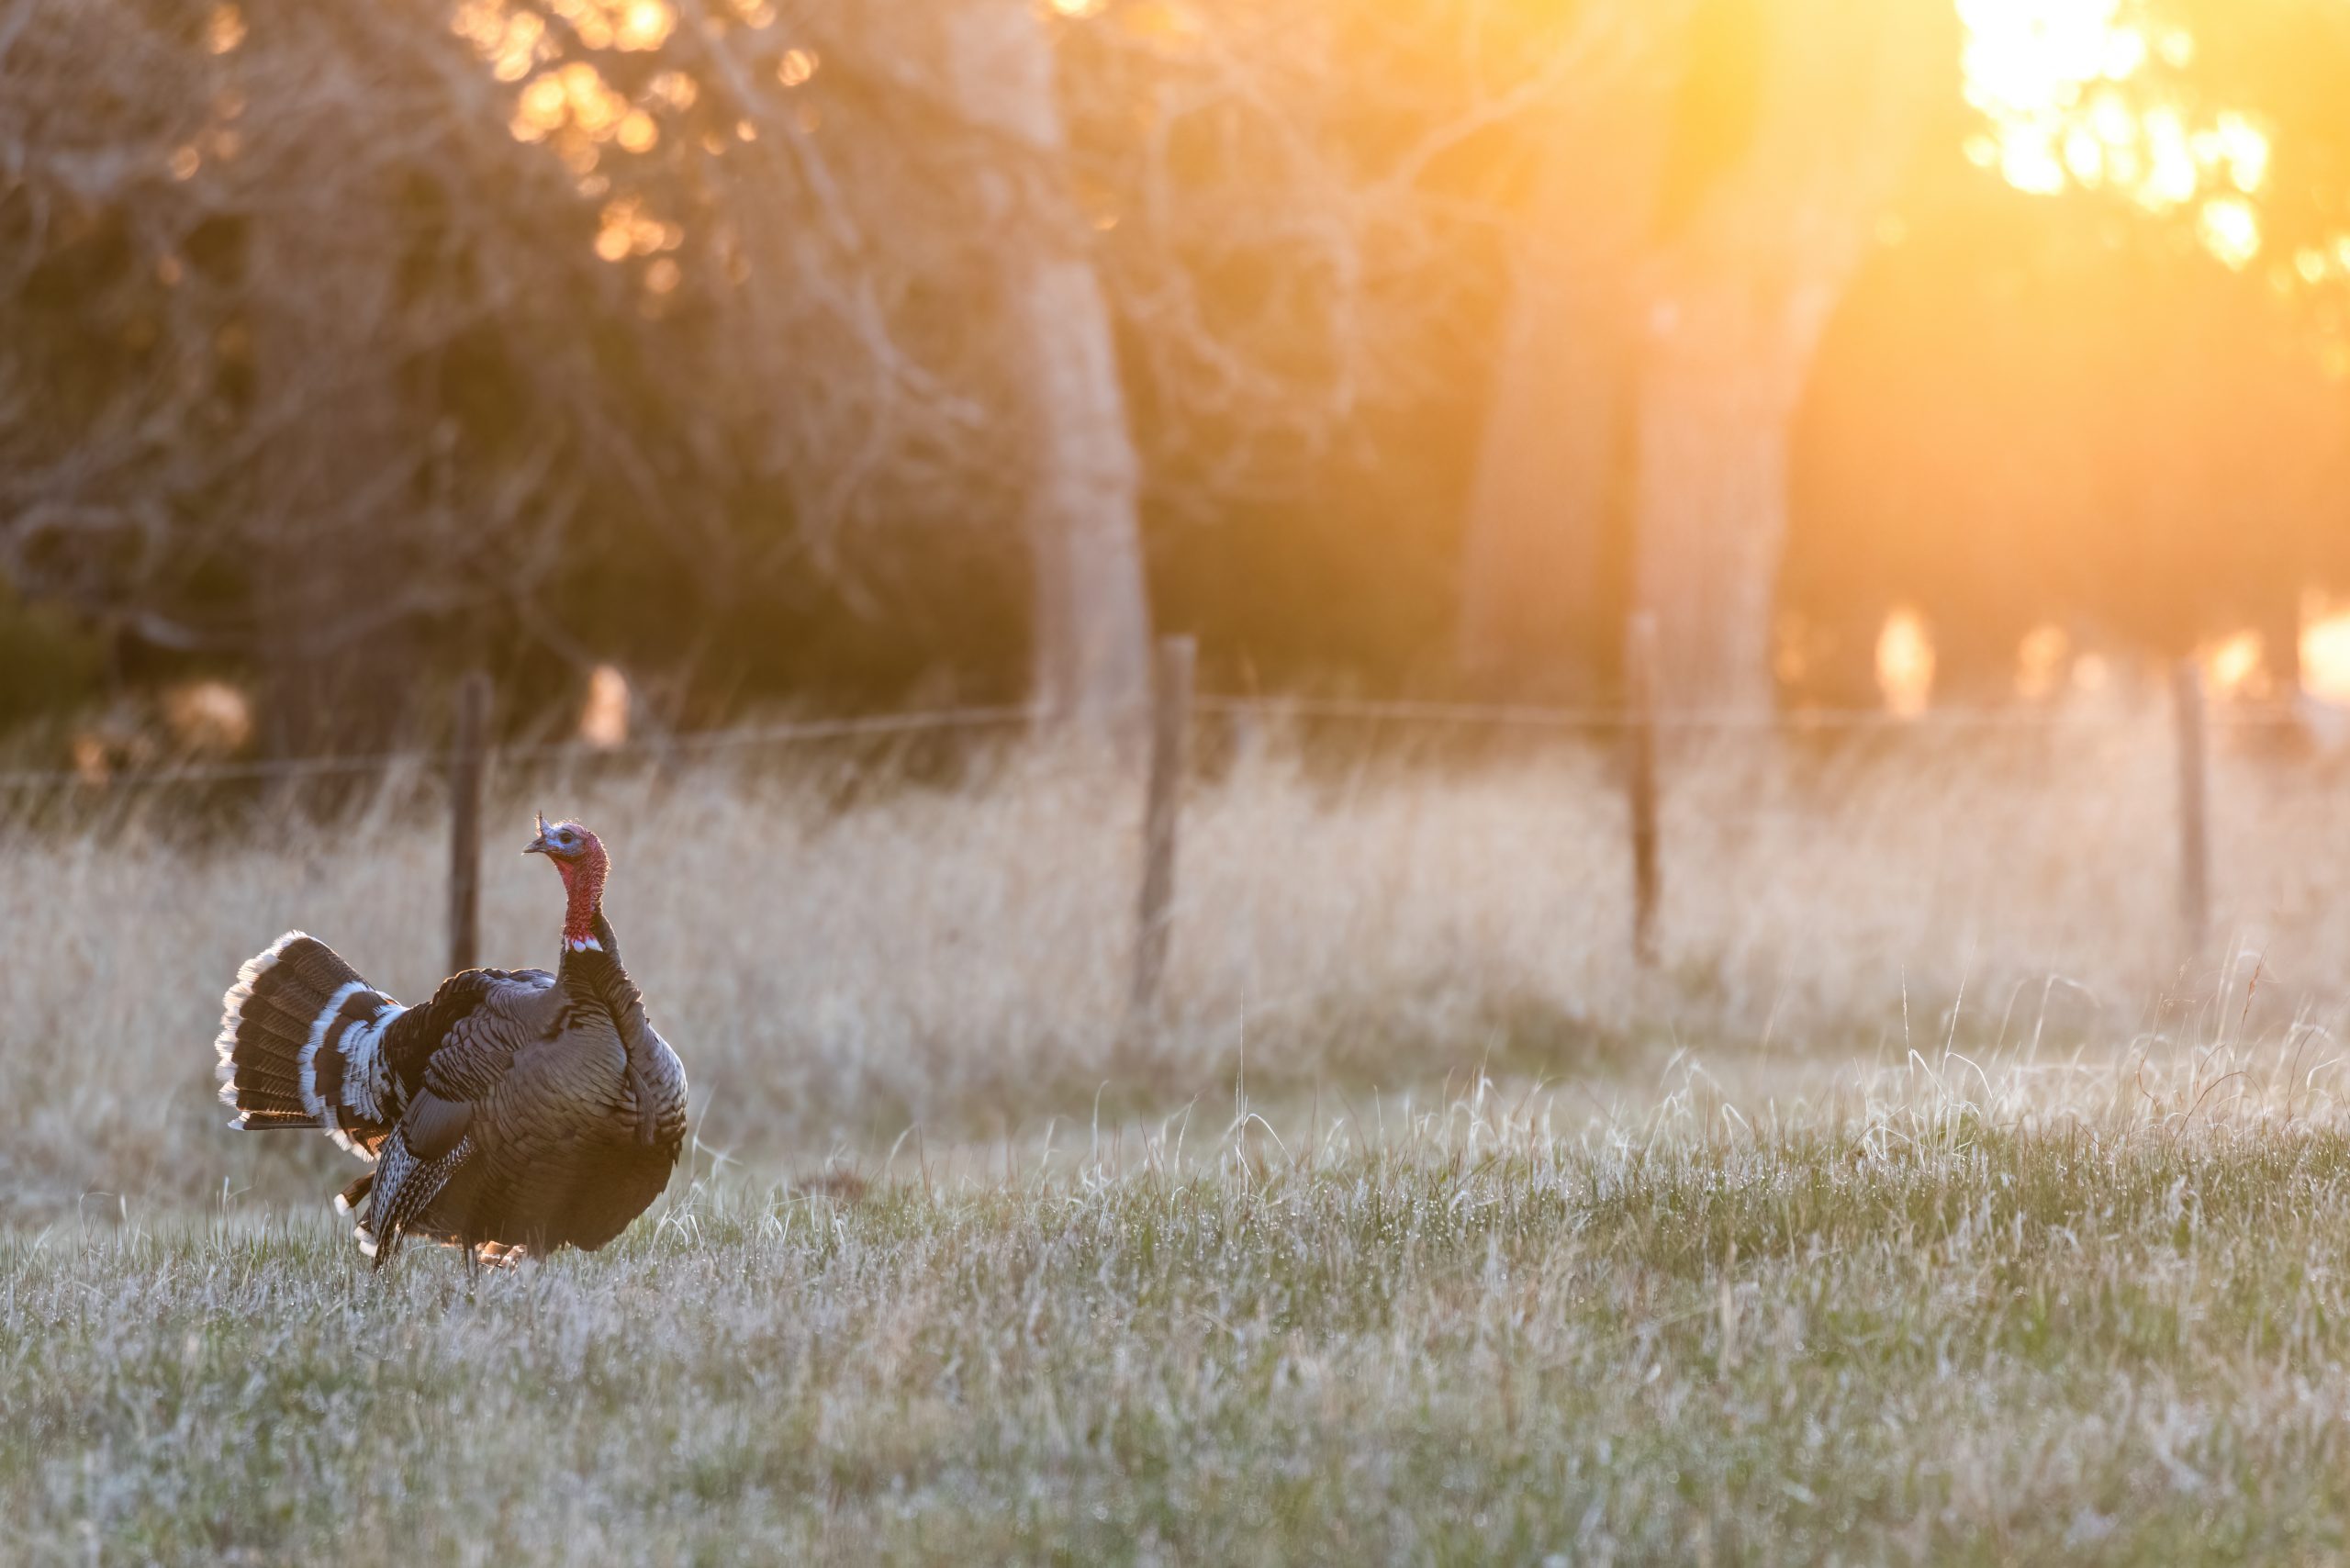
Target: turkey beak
pixel 540 845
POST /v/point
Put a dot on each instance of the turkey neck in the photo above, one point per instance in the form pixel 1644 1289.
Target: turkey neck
pixel 585 930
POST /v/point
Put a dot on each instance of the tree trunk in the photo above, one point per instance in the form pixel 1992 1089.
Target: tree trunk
pixel 1541 590
pixel 1739 300
pixel 1090 648
pixel 1089 636
pixel 1716 401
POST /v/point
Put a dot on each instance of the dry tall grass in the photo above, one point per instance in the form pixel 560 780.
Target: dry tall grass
pixel 1926 1204
pixel 835 964
pixel 1933 1317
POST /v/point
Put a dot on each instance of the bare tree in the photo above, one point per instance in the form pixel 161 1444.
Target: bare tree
pixel 297 221
pixel 1735 303
pixel 329 333
pixel 1653 359
pixel 1549 508
pixel 701 266
pixel 1090 627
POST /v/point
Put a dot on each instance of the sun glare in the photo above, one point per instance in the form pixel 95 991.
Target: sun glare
pixel 1905 662
pixel 2069 102
pixel 2236 667
pixel 2325 649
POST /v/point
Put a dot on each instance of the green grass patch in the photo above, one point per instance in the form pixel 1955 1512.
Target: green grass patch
pixel 1958 1344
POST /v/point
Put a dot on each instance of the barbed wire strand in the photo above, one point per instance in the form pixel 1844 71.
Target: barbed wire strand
pixel 1791 722
pixel 1586 720
pixel 875 726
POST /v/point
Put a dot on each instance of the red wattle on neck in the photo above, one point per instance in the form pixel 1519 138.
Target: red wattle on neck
pixel 583 884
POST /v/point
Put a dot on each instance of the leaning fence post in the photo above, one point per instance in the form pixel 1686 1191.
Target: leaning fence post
pixel 2193 804
pixel 1170 724
pixel 1639 778
pixel 464 820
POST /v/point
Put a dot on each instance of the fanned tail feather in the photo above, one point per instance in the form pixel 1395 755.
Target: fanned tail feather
pixel 301 1045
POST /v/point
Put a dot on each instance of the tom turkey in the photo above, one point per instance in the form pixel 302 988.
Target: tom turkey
pixel 512 1112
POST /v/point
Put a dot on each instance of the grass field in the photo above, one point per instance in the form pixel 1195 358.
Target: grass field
pixel 1926 1206
pixel 1922 1339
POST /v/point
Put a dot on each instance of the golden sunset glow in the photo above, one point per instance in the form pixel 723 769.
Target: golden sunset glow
pixel 604 719
pixel 208 717
pixel 643 24
pixel 576 96
pixel 796 67
pixel 509 40
pixel 2325 649
pixel 1700 649
pixel 2064 88
pixel 2044 663
pixel 625 229
pixel 2164 119
pixel 2235 666
pixel 2229 229
pixel 224 29
pixel 1905 662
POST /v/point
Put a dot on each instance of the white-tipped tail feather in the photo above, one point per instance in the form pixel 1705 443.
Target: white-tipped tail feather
pixel 366 1088
pixel 233 1013
pixel 307 1062
pixel 301 1044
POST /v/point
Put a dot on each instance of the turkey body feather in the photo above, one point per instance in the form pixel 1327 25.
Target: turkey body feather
pixel 515 1112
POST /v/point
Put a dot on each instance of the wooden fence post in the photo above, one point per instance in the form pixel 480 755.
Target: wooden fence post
pixel 1170 724
pixel 1640 780
pixel 464 820
pixel 2194 805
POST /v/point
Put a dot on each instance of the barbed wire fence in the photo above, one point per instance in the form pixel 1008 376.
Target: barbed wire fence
pixel 1633 728
pixel 1561 720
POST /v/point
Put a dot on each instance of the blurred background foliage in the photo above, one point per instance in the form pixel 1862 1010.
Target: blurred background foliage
pixel 850 355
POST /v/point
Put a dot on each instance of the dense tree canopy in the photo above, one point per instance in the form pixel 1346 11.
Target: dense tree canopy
pixel 690 334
